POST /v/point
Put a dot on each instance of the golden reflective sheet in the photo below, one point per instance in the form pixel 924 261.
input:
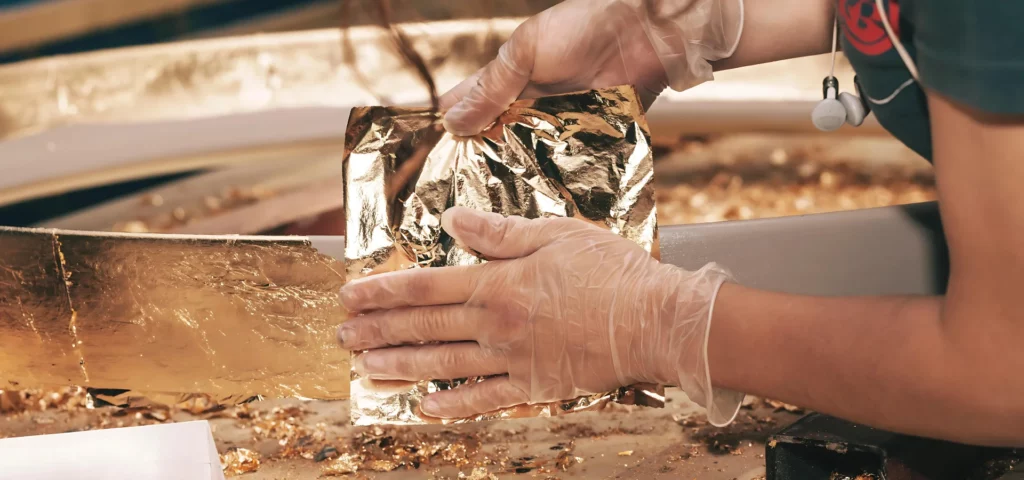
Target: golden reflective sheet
pixel 36 345
pixel 231 317
pixel 585 155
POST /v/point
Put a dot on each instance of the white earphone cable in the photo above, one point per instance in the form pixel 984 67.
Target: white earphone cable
pixel 835 44
pixel 893 95
pixel 909 62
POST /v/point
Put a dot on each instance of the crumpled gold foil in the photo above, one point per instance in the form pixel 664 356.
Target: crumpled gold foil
pixel 585 155
pixel 166 316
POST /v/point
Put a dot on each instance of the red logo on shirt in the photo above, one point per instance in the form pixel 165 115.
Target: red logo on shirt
pixel 864 29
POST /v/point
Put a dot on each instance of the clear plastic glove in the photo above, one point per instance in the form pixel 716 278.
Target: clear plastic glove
pixel 583 44
pixel 565 309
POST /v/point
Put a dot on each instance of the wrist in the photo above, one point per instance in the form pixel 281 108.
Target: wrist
pixel 676 332
pixel 723 361
pixel 687 302
pixel 722 404
pixel 665 290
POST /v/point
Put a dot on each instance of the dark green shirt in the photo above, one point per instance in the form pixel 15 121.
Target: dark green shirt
pixel 971 51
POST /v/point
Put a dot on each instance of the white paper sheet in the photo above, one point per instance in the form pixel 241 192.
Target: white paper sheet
pixel 174 451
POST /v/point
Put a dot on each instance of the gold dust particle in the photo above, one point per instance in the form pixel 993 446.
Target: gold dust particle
pixel 626 453
pixel 779 406
pixel 478 473
pixel 237 461
pixel 343 465
pixel 382 465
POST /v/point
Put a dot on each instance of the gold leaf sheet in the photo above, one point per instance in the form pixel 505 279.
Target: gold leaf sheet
pixel 231 317
pixel 585 155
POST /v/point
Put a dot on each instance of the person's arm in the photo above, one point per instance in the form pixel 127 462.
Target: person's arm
pixel 549 318
pixel 939 367
pixel 781 30
pixel 583 44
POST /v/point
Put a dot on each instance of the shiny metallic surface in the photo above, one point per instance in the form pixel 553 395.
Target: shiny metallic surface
pixel 226 316
pixel 37 346
pixel 585 155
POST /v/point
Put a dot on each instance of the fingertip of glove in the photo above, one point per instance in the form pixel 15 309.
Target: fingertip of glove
pixel 456 122
pixel 431 407
pixel 350 296
pixel 454 222
pixel 345 336
pixel 448 219
pixel 461 222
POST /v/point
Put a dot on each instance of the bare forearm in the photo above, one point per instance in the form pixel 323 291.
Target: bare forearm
pixel 779 30
pixel 888 362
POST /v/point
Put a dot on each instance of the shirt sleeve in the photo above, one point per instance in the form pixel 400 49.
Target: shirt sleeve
pixel 972 51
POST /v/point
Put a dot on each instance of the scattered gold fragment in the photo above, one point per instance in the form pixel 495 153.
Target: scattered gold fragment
pixel 565 459
pixel 343 465
pixel 478 473
pixel 626 453
pixel 381 465
pixel 778 406
pixel 159 414
pixel 237 461
pixel 65 399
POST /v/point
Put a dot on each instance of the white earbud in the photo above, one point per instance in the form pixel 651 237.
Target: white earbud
pixel 829 114
pixel 837 108
pixel 855 111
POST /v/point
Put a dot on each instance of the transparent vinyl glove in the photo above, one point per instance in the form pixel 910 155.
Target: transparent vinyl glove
pixel 583 44
pixel 564 309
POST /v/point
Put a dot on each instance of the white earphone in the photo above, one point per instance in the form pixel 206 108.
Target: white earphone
pixel 838 108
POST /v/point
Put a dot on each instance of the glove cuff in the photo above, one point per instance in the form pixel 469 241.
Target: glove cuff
pixel 690 327
pixel 722 404
pixel 690 34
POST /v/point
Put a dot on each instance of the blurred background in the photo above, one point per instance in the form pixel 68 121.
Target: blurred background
pixel 46 30
pixel 72 97
pixel 34 28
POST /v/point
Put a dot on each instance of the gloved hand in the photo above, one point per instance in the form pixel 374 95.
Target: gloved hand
pixel 565 309
pixel 584 44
